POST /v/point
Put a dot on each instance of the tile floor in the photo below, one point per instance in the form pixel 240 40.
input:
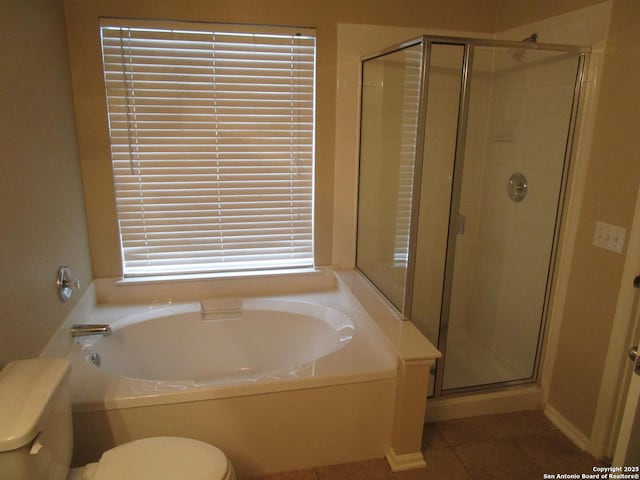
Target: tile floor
pixel 519 445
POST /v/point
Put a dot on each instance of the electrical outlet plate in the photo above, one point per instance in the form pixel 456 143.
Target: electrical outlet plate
pixel 609 237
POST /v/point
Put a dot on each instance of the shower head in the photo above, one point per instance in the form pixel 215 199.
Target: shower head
pixel 518 53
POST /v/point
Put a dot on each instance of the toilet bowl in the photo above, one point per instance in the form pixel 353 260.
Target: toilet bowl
pixel 36 436
pixel 159 458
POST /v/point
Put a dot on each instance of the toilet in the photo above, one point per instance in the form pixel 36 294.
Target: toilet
pixel 36 436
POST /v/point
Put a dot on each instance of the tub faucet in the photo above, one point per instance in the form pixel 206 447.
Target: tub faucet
pixel 90 329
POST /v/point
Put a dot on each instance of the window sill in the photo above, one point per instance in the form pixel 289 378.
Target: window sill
pixel 250 274
pixel 187 288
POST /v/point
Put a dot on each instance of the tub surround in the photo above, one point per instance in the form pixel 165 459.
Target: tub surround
pixel 416 357
pixel 324 416
pixel 260 433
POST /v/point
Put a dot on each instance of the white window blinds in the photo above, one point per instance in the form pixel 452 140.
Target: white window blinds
pixel 212 143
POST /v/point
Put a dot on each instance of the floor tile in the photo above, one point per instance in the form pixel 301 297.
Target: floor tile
pixel 519 445
pixel 468 430
pixel 555 453
pixel 368 470
pixel 432 438
pixel 501 459
pixel 442 464
pixel 493 427
pixel 517 424
pixel 295 475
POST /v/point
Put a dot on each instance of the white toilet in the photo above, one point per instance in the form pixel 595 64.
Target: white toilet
pixel 36 436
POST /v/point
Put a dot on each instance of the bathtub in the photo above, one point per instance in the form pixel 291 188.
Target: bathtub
pixel 278 382
pixel 180 346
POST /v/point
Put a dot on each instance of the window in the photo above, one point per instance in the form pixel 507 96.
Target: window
pixel 212 144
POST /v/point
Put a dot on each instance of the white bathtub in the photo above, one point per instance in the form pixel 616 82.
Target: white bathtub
pixel 255 340
pixel 294 381
pixel 166 353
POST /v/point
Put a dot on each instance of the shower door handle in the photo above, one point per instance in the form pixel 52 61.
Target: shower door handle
pixel 635 358
pixel 462 221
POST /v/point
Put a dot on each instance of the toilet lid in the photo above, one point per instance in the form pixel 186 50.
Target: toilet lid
pixel 162 458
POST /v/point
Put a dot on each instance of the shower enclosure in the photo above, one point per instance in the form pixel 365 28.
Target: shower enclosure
pixel 464 153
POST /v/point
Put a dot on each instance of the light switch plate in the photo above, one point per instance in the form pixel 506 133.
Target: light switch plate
pixel 609 237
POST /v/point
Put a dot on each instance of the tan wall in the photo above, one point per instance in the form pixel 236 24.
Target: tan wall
pixel 41 207
pixel 612 185
pixel 82 22
pixel 520 12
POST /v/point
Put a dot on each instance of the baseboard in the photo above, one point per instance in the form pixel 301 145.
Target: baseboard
pixel 407 461
pixel 528 397
pixel 566 427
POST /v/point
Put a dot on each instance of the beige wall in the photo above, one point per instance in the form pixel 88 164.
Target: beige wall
pixel 613 177
pixel 82 22
pixel 519 12
pixel 611 188
pixel 41 207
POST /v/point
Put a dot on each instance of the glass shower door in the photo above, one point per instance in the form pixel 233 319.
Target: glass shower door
pixel 517 131
pixel 444 80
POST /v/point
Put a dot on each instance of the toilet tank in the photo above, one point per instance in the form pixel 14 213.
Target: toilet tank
pixel 36 436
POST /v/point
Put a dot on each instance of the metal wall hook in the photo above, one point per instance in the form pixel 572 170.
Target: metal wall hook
pixel 66 283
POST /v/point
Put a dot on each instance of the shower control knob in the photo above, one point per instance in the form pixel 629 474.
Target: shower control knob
pixel 66 284
pixel 517 187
